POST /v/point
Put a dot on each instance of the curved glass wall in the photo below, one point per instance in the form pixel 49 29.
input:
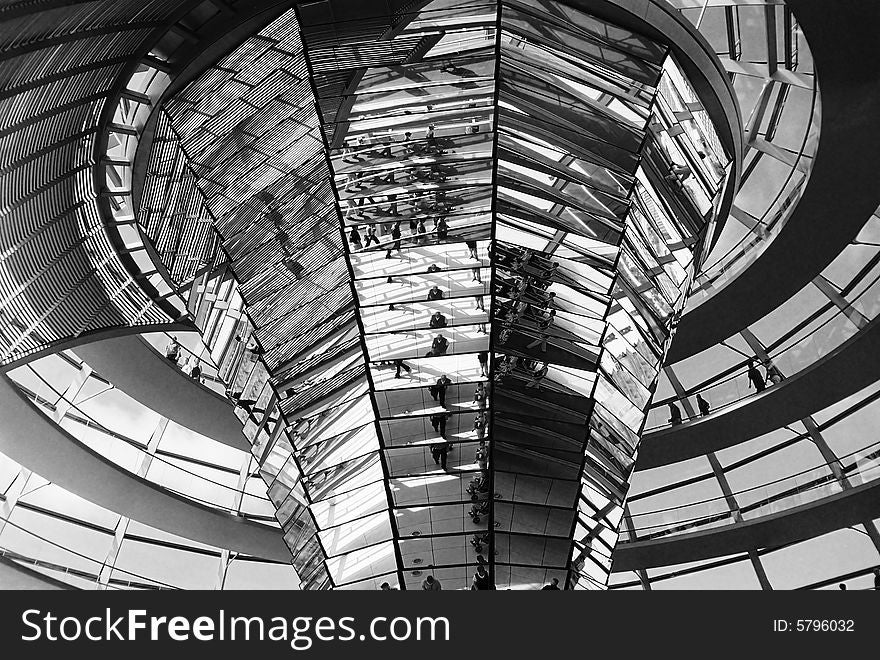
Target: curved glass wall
pixel 140 441
pixel 66 538
pixel 841 301
pixel 781 107
pixel 766 475
pixel 562 201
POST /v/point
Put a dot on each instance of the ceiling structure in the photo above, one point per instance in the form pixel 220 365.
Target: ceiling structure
pixel 236 175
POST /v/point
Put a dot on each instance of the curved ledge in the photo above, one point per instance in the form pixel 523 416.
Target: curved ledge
pixel 30 438
pixel 837 511
pixel 100 335
pixel 14 576
pixel 847 369
pixel 136 368
pixel 840 194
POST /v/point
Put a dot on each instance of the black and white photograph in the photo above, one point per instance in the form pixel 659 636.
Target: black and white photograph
pixel 437 295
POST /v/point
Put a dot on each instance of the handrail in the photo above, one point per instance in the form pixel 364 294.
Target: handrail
pixel 88 421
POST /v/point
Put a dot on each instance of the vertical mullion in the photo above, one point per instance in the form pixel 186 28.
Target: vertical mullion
pixel 490 431
pixel 386 475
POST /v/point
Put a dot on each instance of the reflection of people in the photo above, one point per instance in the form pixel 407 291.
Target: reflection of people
pixel 440 388
pixel 430 138
pixel 472 249
pixel 481 579
pixel 480 425
pixel 431 584
pixel 439 345
pixel 435 293
pixel 371 236
pixel 438 421
pixel 553 586
pixel 355 238
pixel 480 395
pixel 482 456
pixel 195 369
pixel 434 268
pixel 437 321
pixel 400 364
pixel 439 452
pixel 172 351
pixel 392 205
pixel 395 234
pixel 442 230
pixel 483 357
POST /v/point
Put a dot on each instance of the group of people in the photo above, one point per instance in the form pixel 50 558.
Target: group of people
pixel 772 375
pixel 388 234
pixel 479 582
pixel 757 380
pixel 192 367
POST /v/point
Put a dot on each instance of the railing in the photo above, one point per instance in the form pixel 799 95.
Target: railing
pixel 131 455
pixel 782 494
pixel 734 385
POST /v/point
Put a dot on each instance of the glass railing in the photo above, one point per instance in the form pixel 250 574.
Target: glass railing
pixel 792 357
pixel 164 471
pixel 74 568
pixel 721 270
pixel 810 485
pixel 190 357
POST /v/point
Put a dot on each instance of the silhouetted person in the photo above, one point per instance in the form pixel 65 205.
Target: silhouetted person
pixel 480 426
pixel 435 293
pixel 354 238
pixel 472 249
pixel 371 236
pixel 385 587
pixel 755 377
pixel 172 351
pixel 482 456
pixel 553 586
pixel 674 414
pixel 774 376
pixel 430 138
pixel 431 584
pixel 481 579
pixel 434 268
pixel 400 364
pixel 480 395
pixel 442 230
pixel 841 586
pixel 437 321
pixel 392 205
pixel 438 421
pixel 440 388
pixel 395 234
pixel 703 405
pixel 439 452
pixel 440 345
pixel 877 579
pixel 483 357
